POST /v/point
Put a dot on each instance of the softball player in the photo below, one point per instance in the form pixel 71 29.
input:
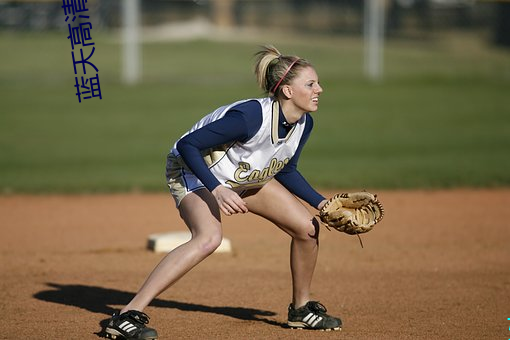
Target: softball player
pixel 243 158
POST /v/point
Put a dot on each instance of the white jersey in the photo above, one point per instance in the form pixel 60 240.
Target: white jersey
pixel 253 163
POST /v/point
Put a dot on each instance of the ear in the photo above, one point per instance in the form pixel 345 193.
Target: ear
pixel 287 91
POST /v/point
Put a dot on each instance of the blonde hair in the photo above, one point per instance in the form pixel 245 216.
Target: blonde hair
pixel 273 69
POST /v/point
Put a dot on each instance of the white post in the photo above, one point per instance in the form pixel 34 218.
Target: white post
pixel 374 38
pixel 131 59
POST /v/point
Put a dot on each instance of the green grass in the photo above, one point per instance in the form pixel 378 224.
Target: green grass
pixel 440 118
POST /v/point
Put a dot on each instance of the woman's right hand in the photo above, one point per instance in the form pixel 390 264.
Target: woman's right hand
pixel 229 201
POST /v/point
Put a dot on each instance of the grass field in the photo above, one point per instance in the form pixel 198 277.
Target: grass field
pixel 439 118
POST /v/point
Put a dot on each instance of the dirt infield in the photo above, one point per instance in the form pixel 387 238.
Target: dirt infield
pixel 437 267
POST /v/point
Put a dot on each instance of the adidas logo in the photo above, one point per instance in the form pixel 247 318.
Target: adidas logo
pixel 312 319
pixel 127 326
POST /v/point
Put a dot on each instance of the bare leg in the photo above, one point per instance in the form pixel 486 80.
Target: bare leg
pixel 200 212
pixel 278 205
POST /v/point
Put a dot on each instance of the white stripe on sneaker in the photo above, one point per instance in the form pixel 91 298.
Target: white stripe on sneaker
pixel 312 319
pixel 130 329
pixel 308 317
pixel 317 321
pixel 127 326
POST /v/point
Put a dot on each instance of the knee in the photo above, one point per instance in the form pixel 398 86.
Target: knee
pixel 309 231
pixel 208 243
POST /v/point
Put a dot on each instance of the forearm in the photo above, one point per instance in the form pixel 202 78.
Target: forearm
pixel 299 186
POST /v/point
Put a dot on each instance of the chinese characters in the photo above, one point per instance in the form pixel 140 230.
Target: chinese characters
pixel 87 85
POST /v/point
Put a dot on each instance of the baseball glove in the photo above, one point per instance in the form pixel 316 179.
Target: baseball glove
pixel 352 213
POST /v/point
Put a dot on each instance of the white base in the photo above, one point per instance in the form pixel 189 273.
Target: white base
pixel 166 242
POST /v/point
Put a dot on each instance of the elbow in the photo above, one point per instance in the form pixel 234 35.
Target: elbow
pixel 181 146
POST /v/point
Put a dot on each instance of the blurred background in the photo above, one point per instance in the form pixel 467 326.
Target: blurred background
pixel 415 91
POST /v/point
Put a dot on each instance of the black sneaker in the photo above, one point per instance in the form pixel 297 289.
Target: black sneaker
pixel 313 316
pixel 130 326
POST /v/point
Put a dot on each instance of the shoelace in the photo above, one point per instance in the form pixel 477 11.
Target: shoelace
pixel 316 306
pixel 140 317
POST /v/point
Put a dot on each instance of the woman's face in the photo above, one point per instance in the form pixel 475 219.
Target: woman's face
pixel 305 90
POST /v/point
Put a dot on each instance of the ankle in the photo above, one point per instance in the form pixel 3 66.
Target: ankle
pixel 299 303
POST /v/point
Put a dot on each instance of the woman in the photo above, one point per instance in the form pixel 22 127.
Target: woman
pixel 243 158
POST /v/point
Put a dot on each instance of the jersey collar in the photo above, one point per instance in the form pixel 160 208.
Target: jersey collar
pixel 277 117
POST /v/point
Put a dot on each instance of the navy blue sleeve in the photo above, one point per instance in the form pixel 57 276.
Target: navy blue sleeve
pixel 292 179
pixel 240 123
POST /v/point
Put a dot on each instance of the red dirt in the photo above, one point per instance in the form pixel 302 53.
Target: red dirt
pixel 436 267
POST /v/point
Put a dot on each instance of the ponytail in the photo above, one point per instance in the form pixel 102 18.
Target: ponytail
pixel 272 69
